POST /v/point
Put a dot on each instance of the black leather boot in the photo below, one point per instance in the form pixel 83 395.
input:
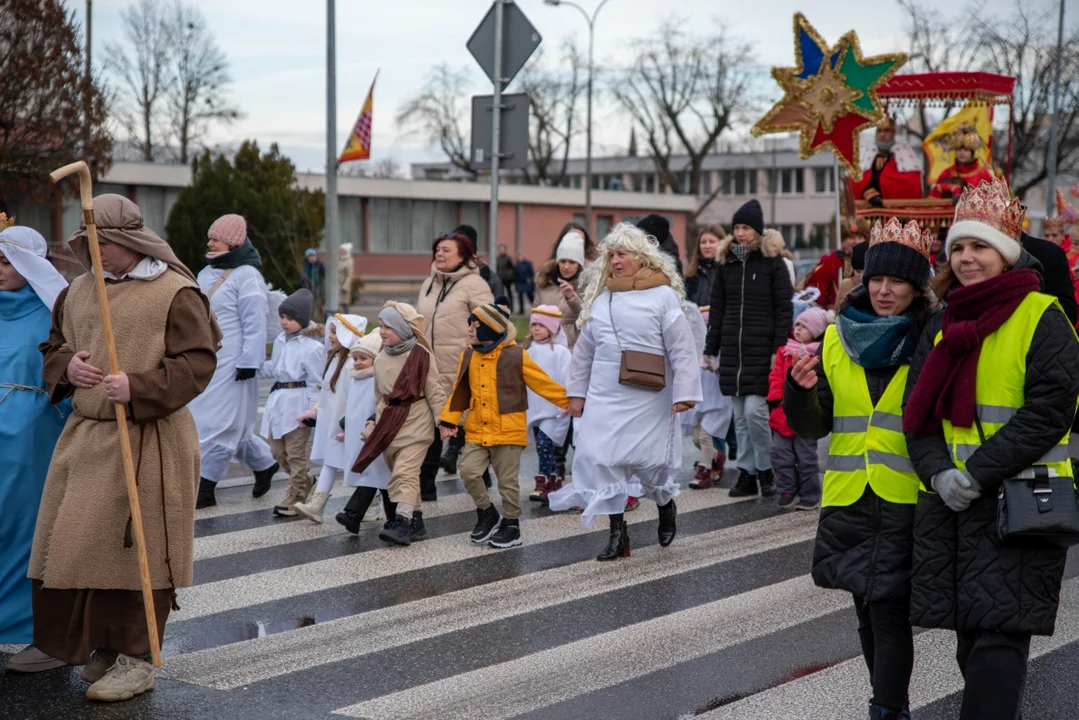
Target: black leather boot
pixel 768 483
pixel 263 479
pixel 744 486
pixel 667 514
pixel 206 496
pixel 418 528
pixel 617 545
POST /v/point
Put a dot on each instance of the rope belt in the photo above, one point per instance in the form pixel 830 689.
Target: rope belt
pixel 287 385
pixel 12 387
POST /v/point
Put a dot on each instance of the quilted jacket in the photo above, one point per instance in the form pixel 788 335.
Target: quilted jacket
pixel 963 577
pixel 863 548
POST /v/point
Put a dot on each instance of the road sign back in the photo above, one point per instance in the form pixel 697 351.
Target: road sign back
pixel 519 40
pixel 513 138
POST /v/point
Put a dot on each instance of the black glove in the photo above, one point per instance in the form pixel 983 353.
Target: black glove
pixel 309 422
pixel 245 373
pixel 342 423
pixel 876 201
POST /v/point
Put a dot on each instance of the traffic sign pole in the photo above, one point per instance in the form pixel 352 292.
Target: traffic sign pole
pixel 496 132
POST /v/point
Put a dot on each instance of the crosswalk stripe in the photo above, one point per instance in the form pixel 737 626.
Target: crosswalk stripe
pixel 842 691
pixel 238 664
pixel 554 675
pixel 230 594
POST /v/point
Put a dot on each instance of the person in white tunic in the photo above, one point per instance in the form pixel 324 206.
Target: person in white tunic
pixel 226 412
pixel 628 440
pixel 547 422
pixel 708 421
pixel 342 331
pixel 359 408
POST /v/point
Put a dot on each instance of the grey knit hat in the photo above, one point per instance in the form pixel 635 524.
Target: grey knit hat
pixel 298 306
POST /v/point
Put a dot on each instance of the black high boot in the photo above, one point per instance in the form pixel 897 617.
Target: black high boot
pixel 263 479
pixel 667 514
pixel 768 483
pixel 206 496
pixel 448 461
pixel 355 509
pixel 618 544
pixel 744 486
pixel 389 507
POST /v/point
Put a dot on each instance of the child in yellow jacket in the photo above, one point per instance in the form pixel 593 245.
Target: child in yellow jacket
pixel 493 377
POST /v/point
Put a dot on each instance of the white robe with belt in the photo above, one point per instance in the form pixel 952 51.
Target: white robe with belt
pixel 627 440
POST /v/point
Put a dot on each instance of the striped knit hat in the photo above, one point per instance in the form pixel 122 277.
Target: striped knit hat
pixel 494 324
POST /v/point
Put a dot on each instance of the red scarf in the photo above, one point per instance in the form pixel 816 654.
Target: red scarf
pixel 407 389
pixel 946 385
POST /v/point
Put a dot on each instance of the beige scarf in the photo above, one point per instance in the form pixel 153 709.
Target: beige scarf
pixel 643 279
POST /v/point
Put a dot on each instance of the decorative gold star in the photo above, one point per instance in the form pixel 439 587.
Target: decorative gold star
pixel 828 96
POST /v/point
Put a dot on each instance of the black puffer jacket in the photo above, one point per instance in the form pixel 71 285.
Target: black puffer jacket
pixel 750 316
pixel 699 287
pixel 963 577
pixel 863 548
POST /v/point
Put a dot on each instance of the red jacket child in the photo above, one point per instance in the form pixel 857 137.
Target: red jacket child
pixel 805 339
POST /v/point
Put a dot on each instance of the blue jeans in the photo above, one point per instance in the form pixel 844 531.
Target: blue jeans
pixel 754 435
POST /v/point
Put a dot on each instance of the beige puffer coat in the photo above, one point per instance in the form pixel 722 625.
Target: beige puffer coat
pixel 446 300
pixel 549 293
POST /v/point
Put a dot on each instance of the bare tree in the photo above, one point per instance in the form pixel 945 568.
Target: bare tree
pixel 439 112
pixel 141 67
pixel 684 91
pixel 554 117
pixel 197 80
pixel 385 169
pixel 1024 47
pixel 45 103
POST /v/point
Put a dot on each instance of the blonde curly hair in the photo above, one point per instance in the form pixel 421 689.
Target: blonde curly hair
pixel 643 247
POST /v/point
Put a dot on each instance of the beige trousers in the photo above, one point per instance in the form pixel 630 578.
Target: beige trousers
pixel 292 451
pixel 404 484
pixel 505 460
pixel 703 441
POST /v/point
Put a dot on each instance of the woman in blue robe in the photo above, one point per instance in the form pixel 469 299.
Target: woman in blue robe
pixel 29 425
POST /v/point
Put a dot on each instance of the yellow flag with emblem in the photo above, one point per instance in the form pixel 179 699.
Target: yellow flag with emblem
pixel 939 145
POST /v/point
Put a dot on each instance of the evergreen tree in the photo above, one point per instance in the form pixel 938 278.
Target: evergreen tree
pixel 282 219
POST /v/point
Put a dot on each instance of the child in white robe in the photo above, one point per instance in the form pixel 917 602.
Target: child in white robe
pixel 548 423
pixel 709 422
pixel 358 410
pixel 342 331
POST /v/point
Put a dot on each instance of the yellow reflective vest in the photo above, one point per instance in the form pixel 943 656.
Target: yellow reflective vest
pixel 868 445
pixel 999 390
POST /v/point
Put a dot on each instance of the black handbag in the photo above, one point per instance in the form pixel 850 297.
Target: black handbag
pixel 1038 504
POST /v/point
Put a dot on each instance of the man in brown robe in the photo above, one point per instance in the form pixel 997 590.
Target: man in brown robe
pixel 86 589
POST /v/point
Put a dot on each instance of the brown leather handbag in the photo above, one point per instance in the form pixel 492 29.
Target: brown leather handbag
pixel 639 369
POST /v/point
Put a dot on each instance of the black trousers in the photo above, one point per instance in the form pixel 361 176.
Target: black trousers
pixel 361 500
pixel 429 469
pixel 994 666
pixel 560 452
pixel 521 300
pixel 888 647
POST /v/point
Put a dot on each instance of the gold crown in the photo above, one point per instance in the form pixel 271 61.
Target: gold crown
pixel 1054 223
pixel 911 235
pixel 5 221
pixel 991 203
pixel 886 123
pixel 965 138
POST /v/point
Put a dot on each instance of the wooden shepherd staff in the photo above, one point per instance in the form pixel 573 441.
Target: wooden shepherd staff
pixel 87 196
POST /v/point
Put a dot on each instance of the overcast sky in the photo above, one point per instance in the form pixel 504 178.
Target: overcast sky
pixel 277 52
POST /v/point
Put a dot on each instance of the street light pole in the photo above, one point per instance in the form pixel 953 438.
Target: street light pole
pixel 1050 202
pixel 591 20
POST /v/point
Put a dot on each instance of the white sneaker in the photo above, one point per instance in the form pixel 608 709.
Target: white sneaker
pixel 100 662
pixel 126 678
pixel 374 513
pixel 312 509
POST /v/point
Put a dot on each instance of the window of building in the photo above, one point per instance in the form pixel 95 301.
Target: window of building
pixel 577 182
pixel 818 236
pixel 823 180
pixel 789 183
pixel 603 225
pixel 793 235
pixel 739 182
pixel 650 182
pixel 405 226
pixel 638 182
pixel 706 183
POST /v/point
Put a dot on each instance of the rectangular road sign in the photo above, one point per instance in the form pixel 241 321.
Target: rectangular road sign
pixel 514 140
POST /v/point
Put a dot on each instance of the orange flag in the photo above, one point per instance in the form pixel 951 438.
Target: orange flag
pixel 358 146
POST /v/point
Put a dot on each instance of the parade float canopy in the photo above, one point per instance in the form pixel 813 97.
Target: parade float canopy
pixel 939 89
pixel 831 96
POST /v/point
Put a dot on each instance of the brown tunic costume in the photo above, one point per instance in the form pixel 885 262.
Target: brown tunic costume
pixel 86 590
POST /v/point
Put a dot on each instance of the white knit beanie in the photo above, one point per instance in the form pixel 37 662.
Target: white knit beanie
pixel 1008 247
pixel 571 247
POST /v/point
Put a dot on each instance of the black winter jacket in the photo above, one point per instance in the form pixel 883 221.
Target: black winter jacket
pixel 750 316
pixel 963 577
pixel 863 548
pixel 699 287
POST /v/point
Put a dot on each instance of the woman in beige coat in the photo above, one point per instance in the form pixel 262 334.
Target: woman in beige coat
pixel 454 289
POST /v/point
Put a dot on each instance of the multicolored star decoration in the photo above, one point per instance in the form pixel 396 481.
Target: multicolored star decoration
pixel 831 96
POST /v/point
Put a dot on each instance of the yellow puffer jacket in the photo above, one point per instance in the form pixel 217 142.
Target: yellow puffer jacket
pixel 485 425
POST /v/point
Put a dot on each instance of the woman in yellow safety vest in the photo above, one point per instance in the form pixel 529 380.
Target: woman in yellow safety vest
pixel 853 388
pixel 992 393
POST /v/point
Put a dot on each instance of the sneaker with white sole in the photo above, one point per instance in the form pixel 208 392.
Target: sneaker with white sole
pixel 126 678
pixel 100 662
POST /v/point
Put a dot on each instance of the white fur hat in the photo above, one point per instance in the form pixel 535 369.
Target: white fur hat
pixel 571 247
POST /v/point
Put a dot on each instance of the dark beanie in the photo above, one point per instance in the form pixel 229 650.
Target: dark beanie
pixel 469 232
pixel 857 256
pixel 895 259
pixel 656 226
pixel 298 306
pixel 750 214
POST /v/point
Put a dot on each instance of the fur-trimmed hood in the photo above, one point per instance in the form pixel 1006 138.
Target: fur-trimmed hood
pixel 770 244
pixel 547 271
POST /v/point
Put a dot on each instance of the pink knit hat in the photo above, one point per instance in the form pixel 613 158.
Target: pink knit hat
pixel 549 316
pixel 229 229
pixel 815 320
